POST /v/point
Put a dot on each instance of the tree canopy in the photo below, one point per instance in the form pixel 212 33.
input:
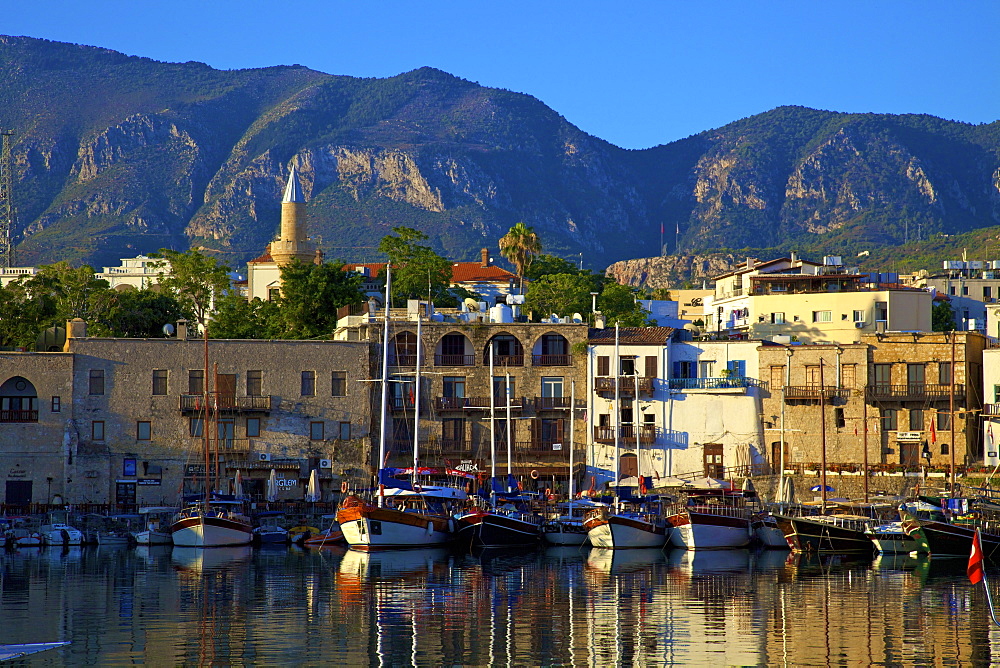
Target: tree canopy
pixel 417 271
pixel 195 280
pixel 519 246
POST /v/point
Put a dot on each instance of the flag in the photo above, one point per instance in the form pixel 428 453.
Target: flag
pixel 933 433
pixel 593 481
pixel 661 228
pixel 975 569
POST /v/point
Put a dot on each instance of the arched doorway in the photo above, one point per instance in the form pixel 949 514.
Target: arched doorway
pixel 18 400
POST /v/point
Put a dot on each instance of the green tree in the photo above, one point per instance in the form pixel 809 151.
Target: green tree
pixel 311 295
pixel 546 264
pixel 519 246
pixel 942 317
pixel 417 271
pixel 236 318
pixel 196 280
pixel 563 294
pixel 23 315
pixel 74 290
pixel 618 304
pixel 139 314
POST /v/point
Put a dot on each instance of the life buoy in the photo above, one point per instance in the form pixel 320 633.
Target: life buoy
pixel 548 493
pixel 534 474
pixel 343 487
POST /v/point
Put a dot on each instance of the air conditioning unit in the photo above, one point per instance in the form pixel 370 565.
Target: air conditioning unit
pixel 263 456
pixel 859 324
pixel 325 464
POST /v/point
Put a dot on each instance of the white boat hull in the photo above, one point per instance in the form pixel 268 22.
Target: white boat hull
pixel 60 535
pixel 203 531
pixel 153 538
pixel 374 534
pixel 565 538
pixel 700 536
pixel 620 533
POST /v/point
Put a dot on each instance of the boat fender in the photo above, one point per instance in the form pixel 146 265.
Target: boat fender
pixel 343 487
pixel 534 474
pixel 468 488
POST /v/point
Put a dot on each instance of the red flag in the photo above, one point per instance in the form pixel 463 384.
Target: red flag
pixel 975 569
pixel 593 481
pixel 933 433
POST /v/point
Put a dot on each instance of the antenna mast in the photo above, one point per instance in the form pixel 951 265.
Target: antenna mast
pixel 7 214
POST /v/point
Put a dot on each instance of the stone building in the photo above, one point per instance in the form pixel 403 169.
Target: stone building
pixel 898 383
pixel 123 420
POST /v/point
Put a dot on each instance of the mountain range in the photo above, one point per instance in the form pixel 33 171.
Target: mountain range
pixel 116 155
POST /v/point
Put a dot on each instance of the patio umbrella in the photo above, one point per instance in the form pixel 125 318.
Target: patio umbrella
pixel 238 485
pixel 787 495
pixel 710 483
pixel 313 493
pixel 272 487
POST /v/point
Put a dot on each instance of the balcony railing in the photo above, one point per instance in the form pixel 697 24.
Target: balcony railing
pixel 715 383
pixel 229 445
pixel 991 410
pixel 454 360
pixel 476 403
pixel 647 434
pixel 815 392
pixel 627 384
pixel 503 360
pixel 401 403
pixel 402 360
pixel 226 403
pixel 912 391
pixel 551 360
pixel 19 416
pixel 557 403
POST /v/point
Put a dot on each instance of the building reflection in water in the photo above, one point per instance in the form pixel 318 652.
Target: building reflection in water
pixel 437 607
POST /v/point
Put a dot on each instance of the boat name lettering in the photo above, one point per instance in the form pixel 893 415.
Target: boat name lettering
pixel 468 466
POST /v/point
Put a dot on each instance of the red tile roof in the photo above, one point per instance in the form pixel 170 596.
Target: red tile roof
pixel 461 272
pixel 657 336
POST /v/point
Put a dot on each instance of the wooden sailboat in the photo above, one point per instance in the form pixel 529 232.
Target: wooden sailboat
pixel 211 522
pixel 567 528
pixel 415 516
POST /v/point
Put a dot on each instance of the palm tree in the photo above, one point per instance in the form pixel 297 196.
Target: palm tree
pixel 519 246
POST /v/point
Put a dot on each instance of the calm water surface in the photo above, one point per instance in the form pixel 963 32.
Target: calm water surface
pixel 560 606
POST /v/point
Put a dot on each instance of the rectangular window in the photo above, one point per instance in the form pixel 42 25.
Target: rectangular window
pixel 552 386
pixel 822 316
pixel 777 377
pixel 883 375
pixel 889 419
pixel 453 387
pixel 253 427
pixel 255 383
pixel 943 421
pixel 777 318
pixel 316 431
pixel 684 369
pixel 97 430
pixel 159 382
pixel 97 382
pixel 627 365
pixel 499 388
pixel 849 375
pixel 603 365
pixel 987 293
pixel 881 311
pixel 812 375
pixel 996 394
pixel 344 431
pixel 915 374
pixel 838 416
pixel 737 368
pixel 308 383
pixel 706 369
pixel 56 404
pixel 650 366
pixel 859 316
pixel 944 373
pixel 951 290
pixel 916 419
pixel 944 449
pixel 453 431
pixel 338 384
pixel 143 430
pixel 196 381
pixel 965 290
pixel 195 427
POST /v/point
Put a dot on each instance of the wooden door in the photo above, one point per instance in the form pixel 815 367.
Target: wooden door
pixel 714 466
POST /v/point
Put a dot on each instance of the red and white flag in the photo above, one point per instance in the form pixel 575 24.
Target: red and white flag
pixel 975 569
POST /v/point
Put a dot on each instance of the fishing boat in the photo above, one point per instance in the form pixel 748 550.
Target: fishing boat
pixel 635 524
pixel 950 533
pixel 155 521
pixel 714 518
pixel 831 534
pixel 57 534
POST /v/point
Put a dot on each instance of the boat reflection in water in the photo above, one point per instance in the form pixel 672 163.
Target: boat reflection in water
pixel 391 564
pixel 200 560
pixel 711 561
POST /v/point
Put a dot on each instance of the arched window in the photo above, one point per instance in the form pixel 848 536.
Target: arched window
pixel 454 350
pixel 18 401
pixel 552 350
pixel 507 351
pixel 403 349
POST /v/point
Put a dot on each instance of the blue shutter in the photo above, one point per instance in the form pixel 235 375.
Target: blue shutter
pixel 737 367
pixel 678 370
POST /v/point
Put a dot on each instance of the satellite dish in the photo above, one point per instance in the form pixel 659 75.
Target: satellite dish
pixel 168 330
pixel 577 318
pixel 471 304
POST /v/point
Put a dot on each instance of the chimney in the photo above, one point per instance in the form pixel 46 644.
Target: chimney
pixel 182 330
pixel 486 257
pixel 794 256
pixel 76 329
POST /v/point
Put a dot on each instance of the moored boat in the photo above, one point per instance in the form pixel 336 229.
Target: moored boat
pixel 717 518
pixel 214 524
pixel 510 524
pixel 830 534
pixel 567 528
pixel 60 535
pixel 406 519
pixel 768 533
pixel 635 525
pixel 155 526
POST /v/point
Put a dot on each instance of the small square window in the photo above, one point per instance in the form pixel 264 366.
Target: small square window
pixel 195 427
pixel 143 430
pixel 316 431
pixel 338 384
pixel 944 449
pixel 56 404
pixel 97 430
pixel 344 431
pixel 253 427
pixel 308 383
pixel 255 383
pixel 96 381
pixel 159 382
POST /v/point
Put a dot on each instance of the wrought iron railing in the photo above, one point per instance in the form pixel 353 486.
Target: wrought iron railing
pixel 725 383
pixel 912 391
pixel 551 360
pixel 19 416
pixel 815 392
pixel 454 360
pixel 626 383
pixel 226 403
pixel 647 433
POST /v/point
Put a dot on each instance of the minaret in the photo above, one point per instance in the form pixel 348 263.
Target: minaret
pixel 291 243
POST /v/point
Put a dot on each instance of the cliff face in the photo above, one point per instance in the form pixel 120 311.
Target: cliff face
pixel 671 271
pixel 118 155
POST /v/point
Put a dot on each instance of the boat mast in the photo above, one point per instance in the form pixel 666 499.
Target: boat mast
pixel 951 412
pixel 205 420
pixel 822 432
pixel 493 433
pixel 572 416
pixel 617 424
pixel 385 387
pixel 510 436
pixel 416 406
pixel 635 423
pixel 864 445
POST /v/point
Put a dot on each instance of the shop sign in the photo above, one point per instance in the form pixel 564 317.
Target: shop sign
pixel 148 481
pixel 468 466
pixel 17 473
pixel 909 435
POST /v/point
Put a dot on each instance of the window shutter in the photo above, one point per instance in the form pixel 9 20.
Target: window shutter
pixel 651 366
pixel 678 370
pixel 536 431
pixel 603 365
pixel 559 431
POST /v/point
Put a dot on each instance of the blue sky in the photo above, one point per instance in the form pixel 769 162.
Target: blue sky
pixel 634 73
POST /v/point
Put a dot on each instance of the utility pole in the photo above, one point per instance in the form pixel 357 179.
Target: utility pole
pixel 7 212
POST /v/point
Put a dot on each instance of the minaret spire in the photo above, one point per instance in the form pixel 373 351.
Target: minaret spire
pixel 292 243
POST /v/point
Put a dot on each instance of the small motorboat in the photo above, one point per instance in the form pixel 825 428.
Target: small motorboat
pixel 767 532
pixel 60 535
pixel 331 536
pixel 301 532
pixel 16 532
pixel 156 526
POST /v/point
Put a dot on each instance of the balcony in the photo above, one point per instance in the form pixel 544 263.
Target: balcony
pixel 557 403
pixel 542 447
pixel 738 383
pixel 18 416
pixel 232 446
pixel 551 360
pixel 626 383
pixel 226 403
pixel 403 360
pixel 626 434
pixel 504 360
pixel 913 392
pixel 400 404
pixel 476 403
pixel 815 393
pixel 991 410
pixel 454 360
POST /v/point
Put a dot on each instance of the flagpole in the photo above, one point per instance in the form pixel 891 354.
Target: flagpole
pixel 977 573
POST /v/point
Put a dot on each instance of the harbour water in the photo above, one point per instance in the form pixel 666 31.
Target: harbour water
pixel 557 606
